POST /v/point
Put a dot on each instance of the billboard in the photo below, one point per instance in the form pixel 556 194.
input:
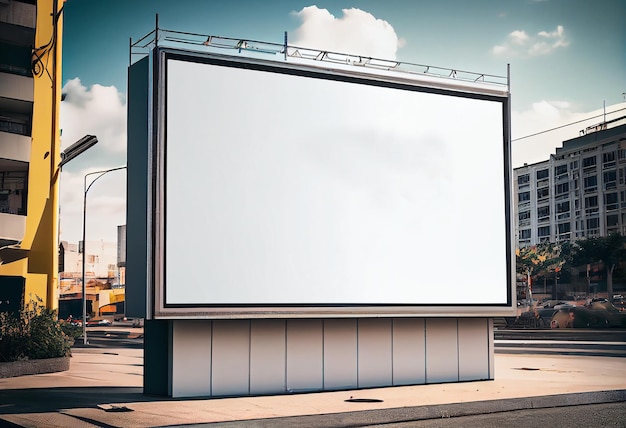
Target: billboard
pixel 289 190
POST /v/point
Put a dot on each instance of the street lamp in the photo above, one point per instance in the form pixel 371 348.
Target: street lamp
pixel 85 190
pixel 77 148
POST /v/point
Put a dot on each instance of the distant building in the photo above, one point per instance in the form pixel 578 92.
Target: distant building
pixel 102 279
pixel 579 192
pixel 30 96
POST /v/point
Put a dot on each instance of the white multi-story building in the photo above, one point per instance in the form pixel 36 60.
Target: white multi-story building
pixel 579 192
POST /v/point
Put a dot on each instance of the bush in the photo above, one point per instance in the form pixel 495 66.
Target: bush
pixel 34 333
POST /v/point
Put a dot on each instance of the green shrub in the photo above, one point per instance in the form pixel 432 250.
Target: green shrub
pixel 34 333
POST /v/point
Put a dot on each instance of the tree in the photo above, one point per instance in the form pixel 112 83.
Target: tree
pixel 545 258
pixel 608 250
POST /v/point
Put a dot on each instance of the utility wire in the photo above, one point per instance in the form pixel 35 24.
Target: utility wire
pixel 568 124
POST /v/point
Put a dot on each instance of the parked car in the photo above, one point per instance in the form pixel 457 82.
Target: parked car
pixel 98 322
pixel 619 302
pixel 74 321
pixel 599 313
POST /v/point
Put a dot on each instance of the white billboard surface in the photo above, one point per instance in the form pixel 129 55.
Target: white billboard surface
pixel 312 190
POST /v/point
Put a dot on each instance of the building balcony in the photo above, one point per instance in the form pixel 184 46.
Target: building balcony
pixel 12 227
pixel 16 87
pixel 18 14
pixel 14 146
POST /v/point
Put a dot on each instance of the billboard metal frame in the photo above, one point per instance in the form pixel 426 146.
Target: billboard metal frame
pixel 158 308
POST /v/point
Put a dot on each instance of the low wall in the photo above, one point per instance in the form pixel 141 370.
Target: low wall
pixel 31 367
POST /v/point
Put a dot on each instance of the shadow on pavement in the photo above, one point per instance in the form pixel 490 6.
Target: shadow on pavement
pixel 44 400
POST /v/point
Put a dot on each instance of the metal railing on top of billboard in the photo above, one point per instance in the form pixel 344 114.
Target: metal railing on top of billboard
pixel 209 43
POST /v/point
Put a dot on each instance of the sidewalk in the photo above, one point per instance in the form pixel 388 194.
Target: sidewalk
pixel 103 388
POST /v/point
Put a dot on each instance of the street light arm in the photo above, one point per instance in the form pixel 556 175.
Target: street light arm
pixel 84 285
pixel 103 172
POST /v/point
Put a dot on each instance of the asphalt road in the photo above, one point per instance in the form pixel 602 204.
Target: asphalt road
pixel 605 342
pixel 599 343
pixel 588 416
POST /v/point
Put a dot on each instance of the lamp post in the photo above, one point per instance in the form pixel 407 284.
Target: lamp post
pixel 84 285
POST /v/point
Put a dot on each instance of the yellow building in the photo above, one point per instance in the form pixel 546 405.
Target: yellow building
pixel 30 96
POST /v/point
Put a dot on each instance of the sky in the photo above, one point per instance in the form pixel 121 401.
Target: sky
pixel 567 63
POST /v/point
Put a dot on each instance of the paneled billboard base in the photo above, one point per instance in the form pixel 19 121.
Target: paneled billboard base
pixel 220 358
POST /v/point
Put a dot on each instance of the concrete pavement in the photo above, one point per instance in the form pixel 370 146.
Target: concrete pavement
pixel 103 388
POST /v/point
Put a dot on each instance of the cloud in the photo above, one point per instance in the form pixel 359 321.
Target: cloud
pixel 518 37
pixel 100 111
pixel 520 43
pixel 356 32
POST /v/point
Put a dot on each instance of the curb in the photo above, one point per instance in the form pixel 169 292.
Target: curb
pixel 33 367
pixel 420 413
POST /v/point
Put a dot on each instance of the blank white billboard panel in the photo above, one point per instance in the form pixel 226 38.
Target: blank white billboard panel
pixel 291 188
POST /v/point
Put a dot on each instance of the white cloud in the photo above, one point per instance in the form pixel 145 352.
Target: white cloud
pixel 499 50
pixel 546 115
pixel 518 37
pixel 100 111
pixel 556 34
pixel 356 32
pixel 520 43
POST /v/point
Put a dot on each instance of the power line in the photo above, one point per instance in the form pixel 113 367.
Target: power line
pixel 568 124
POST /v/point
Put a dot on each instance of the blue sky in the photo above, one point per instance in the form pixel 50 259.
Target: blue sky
pixel 567 58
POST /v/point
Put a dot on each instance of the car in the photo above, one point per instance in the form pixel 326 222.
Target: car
pixel 74 321
pixel 98 323
pixel 599 313
pixel 619 302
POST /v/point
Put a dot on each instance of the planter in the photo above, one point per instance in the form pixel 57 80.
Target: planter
pixel 31 367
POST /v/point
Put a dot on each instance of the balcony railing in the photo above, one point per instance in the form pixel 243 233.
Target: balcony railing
pixel 14 127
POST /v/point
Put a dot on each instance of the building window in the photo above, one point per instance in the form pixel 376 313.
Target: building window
pixel 610 200
pixel 564 228
pixel 524 234
pixel 573 165
pixel 524 215
pixel 543 231
pixel 543 193
pixel 593 223
pixel 13 187
pixel 524 196
pixel 15 123
pixel 562 207
pixel 523 179
pixel 559 189
pixel 608 159
pixel 610 180
pixel 591 201
pixel 589 162
pixel 612 220
pixel 591 183
pixel 544 173
pixel 543 213
pixel 560 170
pixel 15 59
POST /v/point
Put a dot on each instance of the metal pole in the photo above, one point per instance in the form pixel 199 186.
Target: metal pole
pixel 85 190
pixel 84 257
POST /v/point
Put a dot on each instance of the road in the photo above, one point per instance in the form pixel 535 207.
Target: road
pixel 590 415
pixel 118 335
pixel 601 343
pixel 605 342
